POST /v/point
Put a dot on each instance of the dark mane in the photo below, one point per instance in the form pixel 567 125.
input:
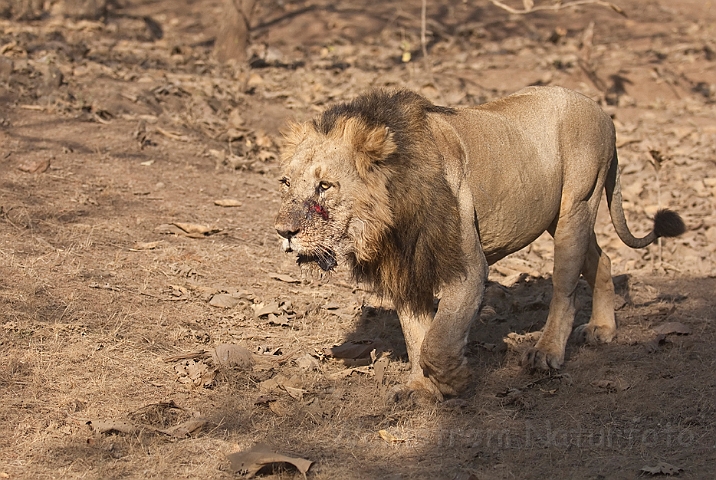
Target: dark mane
pixel 382 108
pixel 421 250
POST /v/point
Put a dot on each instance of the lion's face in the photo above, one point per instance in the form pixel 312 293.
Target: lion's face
pixel 315 210
pixel 328 191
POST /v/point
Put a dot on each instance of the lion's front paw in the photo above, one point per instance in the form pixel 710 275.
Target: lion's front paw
pixel 593 334
pixel 449 377
pixel 417 389
pixel 537 359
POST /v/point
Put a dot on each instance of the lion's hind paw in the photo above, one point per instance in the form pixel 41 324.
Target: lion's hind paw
pixel 593 334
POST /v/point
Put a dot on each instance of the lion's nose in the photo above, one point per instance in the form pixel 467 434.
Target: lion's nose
pixel 286 231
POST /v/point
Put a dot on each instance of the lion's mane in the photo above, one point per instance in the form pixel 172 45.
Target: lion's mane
pixel 415 248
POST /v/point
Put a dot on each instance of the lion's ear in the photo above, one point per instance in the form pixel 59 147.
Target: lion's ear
pixel 374 144
pixel 293 135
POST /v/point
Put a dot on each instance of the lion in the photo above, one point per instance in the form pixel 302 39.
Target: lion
pixel 417 200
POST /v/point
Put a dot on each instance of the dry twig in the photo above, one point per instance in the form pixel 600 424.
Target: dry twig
pixel 423 28
pixel 529 6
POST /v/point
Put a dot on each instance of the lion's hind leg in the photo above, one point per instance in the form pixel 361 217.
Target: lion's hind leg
pixel 572 234
pixel 597 271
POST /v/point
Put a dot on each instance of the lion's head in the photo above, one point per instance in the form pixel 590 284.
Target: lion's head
pixel 364 184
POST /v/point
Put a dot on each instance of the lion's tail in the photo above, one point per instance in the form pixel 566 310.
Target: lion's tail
pixel 667 223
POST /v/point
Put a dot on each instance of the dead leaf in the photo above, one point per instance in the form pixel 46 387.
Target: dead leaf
pixel 349 371
pixel 251 461
pixel 278 321
pixel 295 393
pixel 196 373
pixel 34 166
pixel 672 327
pixel 490 347
pixel 662 468
pixel 227 202
pixel 271 308
pixel 512 279
pixel 232 355
pixel 254 80
pixel 280 407
pixel 140 246
pixel 185 429
pixel 284 278
pixel 509 392
pixel 168 229
pixel 270 385
pixel 224 300
pixel 235 119
pixel 353 350
pixel 389 437
pixel 263 140
pixel 179 291
pixel 195 230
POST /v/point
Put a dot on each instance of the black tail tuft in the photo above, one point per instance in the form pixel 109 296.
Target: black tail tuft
pixel 668 223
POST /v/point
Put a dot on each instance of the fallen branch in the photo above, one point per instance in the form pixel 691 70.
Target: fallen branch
pixel 529 7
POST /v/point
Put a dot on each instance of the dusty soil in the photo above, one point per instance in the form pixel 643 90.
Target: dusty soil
pixel 115 134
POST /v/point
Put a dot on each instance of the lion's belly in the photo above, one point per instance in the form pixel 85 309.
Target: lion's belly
pixel 514 204
pixel 510 234
pixel 513 208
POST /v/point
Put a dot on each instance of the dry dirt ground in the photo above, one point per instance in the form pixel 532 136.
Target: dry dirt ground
pixel 137 193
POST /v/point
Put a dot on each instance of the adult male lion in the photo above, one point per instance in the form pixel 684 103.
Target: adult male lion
pixel 418 200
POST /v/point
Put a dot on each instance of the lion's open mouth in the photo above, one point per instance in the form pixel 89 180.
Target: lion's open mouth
pixel 326 260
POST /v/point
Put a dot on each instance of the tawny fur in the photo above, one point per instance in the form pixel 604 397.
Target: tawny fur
pixel 417 199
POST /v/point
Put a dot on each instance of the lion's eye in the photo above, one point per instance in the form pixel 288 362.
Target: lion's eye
pixel 323 186
pixel 285 181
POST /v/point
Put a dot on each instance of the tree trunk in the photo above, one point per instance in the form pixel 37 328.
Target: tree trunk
pixel 234 31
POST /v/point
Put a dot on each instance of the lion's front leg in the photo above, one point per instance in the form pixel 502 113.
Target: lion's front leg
pixel 436 346
pixel 414 327
pixel 442 354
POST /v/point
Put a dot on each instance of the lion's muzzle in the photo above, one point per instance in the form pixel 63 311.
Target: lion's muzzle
pixel 289 227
